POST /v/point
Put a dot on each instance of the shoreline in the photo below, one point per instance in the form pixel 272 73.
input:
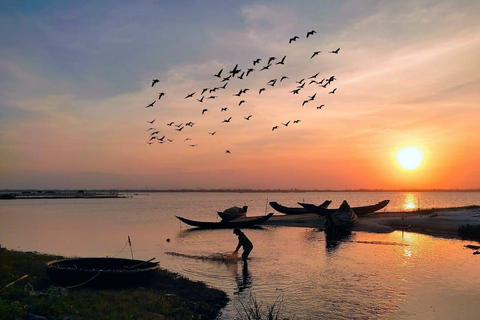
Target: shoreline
pixel 440 222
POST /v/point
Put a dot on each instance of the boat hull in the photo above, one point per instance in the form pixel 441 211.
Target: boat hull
pixel 359 211
pixel 104 272
pixel 291 210
pixel 237 223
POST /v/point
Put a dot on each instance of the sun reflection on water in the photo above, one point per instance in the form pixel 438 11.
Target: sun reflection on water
pixel 410 202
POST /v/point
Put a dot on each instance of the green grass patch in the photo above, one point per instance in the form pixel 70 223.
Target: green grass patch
pixel 166 296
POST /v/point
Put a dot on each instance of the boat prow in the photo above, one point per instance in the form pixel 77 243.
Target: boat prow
pixel 246 222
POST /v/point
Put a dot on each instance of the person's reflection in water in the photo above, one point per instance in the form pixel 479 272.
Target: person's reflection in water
pixel 244 281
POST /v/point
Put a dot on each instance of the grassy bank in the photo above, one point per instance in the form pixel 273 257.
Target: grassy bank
pixel 166 296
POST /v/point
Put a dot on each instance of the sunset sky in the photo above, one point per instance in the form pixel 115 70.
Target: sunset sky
pixel 76 79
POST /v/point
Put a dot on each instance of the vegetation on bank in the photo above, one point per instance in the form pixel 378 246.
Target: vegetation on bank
pixel 166 296
pixel 469 232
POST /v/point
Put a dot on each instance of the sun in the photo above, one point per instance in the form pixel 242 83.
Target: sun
pixel 410 158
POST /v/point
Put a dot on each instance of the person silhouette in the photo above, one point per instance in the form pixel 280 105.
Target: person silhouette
pixel 244 242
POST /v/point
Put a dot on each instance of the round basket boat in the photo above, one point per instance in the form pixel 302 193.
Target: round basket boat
pixel 110 272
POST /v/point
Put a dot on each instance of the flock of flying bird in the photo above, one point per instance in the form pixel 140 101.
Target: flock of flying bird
pixel 236 73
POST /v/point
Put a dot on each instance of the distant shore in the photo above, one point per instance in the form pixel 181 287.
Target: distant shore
pixel 443 222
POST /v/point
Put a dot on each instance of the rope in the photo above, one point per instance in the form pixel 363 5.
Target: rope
pixel 126 243
pixel 81 284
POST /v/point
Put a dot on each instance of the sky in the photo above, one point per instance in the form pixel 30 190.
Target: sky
pixel 76 78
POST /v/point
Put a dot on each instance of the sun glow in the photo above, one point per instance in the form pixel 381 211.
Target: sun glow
pixel 410 158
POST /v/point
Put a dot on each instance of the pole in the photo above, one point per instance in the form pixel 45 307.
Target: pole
pixel 130 243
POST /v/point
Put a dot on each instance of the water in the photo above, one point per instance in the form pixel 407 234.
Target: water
pixel 366 276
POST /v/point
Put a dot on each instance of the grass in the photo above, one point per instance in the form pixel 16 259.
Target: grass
pixel 469 232
pixel 253 309
pixel 166 296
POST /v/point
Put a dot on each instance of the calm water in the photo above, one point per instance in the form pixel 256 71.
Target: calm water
pixel 365 276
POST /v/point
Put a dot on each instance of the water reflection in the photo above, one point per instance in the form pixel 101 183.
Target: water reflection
pixel 410 202
pixel 244 281
pixel 334 239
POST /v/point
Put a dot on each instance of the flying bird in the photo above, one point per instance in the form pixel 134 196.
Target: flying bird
pixel 218 75
pixel 203 91
pixel 186 139
pixel 151 104
pixel 227 120
pixel 224 86
pixel 161 139
pixel 295 91
pixel 256 61
pixel 311 33
pixel 335 51
pixel 170 140
pixel 260 91
pixel 281 61
pixel 314 76
pixel 248 118
pixel 271 59
pixel 316 53
pixel 204 110
pixel 153 133
pixel 180 129
pixel 276 127
pixel 333 91
pixel 151 122
pixel 300 81
pixel 249 71
pixel 241 76
pixel 150 129
pixel 160 95
pixel 223 109
pixel 227 152
pixel 296 121
pixel 212 97
pixel 306 101
pixel 283 78
pixel 193 145
pixel 286 124
pixel 272 82
pixel 235 70
pixel 295 38
pixel 212 133
pixel 190 95
pixel 201 99
pixel 313 81
pixel 170 124
pixel 152 138
pixel 154 81
pixel 266 67
pixel 227 78
pixel 240 103
pixel 312 97
pixel 320 107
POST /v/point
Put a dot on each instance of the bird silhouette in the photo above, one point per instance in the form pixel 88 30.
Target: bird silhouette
pixel 306 101
pixel 152 138
pixel 201 99
pixel 320 107
pixel 227 78
pixel 248 118
pixel 160 142
pixel 190 95
pixel 249 71
pixel 283 78
pixel 244 90
pixel 151 104
pixel 286 124
pixel 204 110
pixel 313 81
pixel 212 133
pixel 153 133
pixel 151 122
pixel 186 139
pixel 203 91
pixel 227 120
pixel 333 91
pixel 212 97
pixel 190 124
pixel 170 123
pixel 235 70
pixel 218 75
pixel 241 76
pixel 240 103
pixel 311 33
pixel 316 53
pixel 170 140
pixel 295 38
pixel 335 51
pixel 227 152
pixel 276 127
pixel 150 129
pixel 281 61
pixel 271 59
pixel 314 76
pixel 224 86
pixel 193 145
pixel 301 86
pixel 312 97
pixel 295 91
pixel 180 129
pixel 266 67
pixel 260 91
pixel 223 109
pixel 256 61
pixel 161 139
pixel 272 82
pixel 300 81
pixel 154 81
pixel 213 89
pixel 160 95
pixel 296 121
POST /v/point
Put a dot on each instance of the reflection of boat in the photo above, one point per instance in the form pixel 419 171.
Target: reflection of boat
pixel 237 223
pixel 359 211
pixel 233 213
pixel 100 271
pixel 290 210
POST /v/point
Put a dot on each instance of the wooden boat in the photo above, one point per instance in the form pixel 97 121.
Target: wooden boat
pixel 112 272
pixel 237 223
pixel 339 220
pixel 290 210
pixel 359 211
pixel 233 213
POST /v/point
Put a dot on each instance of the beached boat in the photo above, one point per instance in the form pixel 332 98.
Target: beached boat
pixel 112 272
pixel 236 223
pixel 340 219
pixel 233 213
pixel 359 211
pixel 291 210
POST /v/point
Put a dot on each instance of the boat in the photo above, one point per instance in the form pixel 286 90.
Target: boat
pixel 111 272
pixel 359 211
pixel 339 220
pixel 233 213
pixel 291 210
pixel 236 223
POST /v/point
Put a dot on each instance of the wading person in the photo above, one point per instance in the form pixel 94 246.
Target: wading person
pixel 244 242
